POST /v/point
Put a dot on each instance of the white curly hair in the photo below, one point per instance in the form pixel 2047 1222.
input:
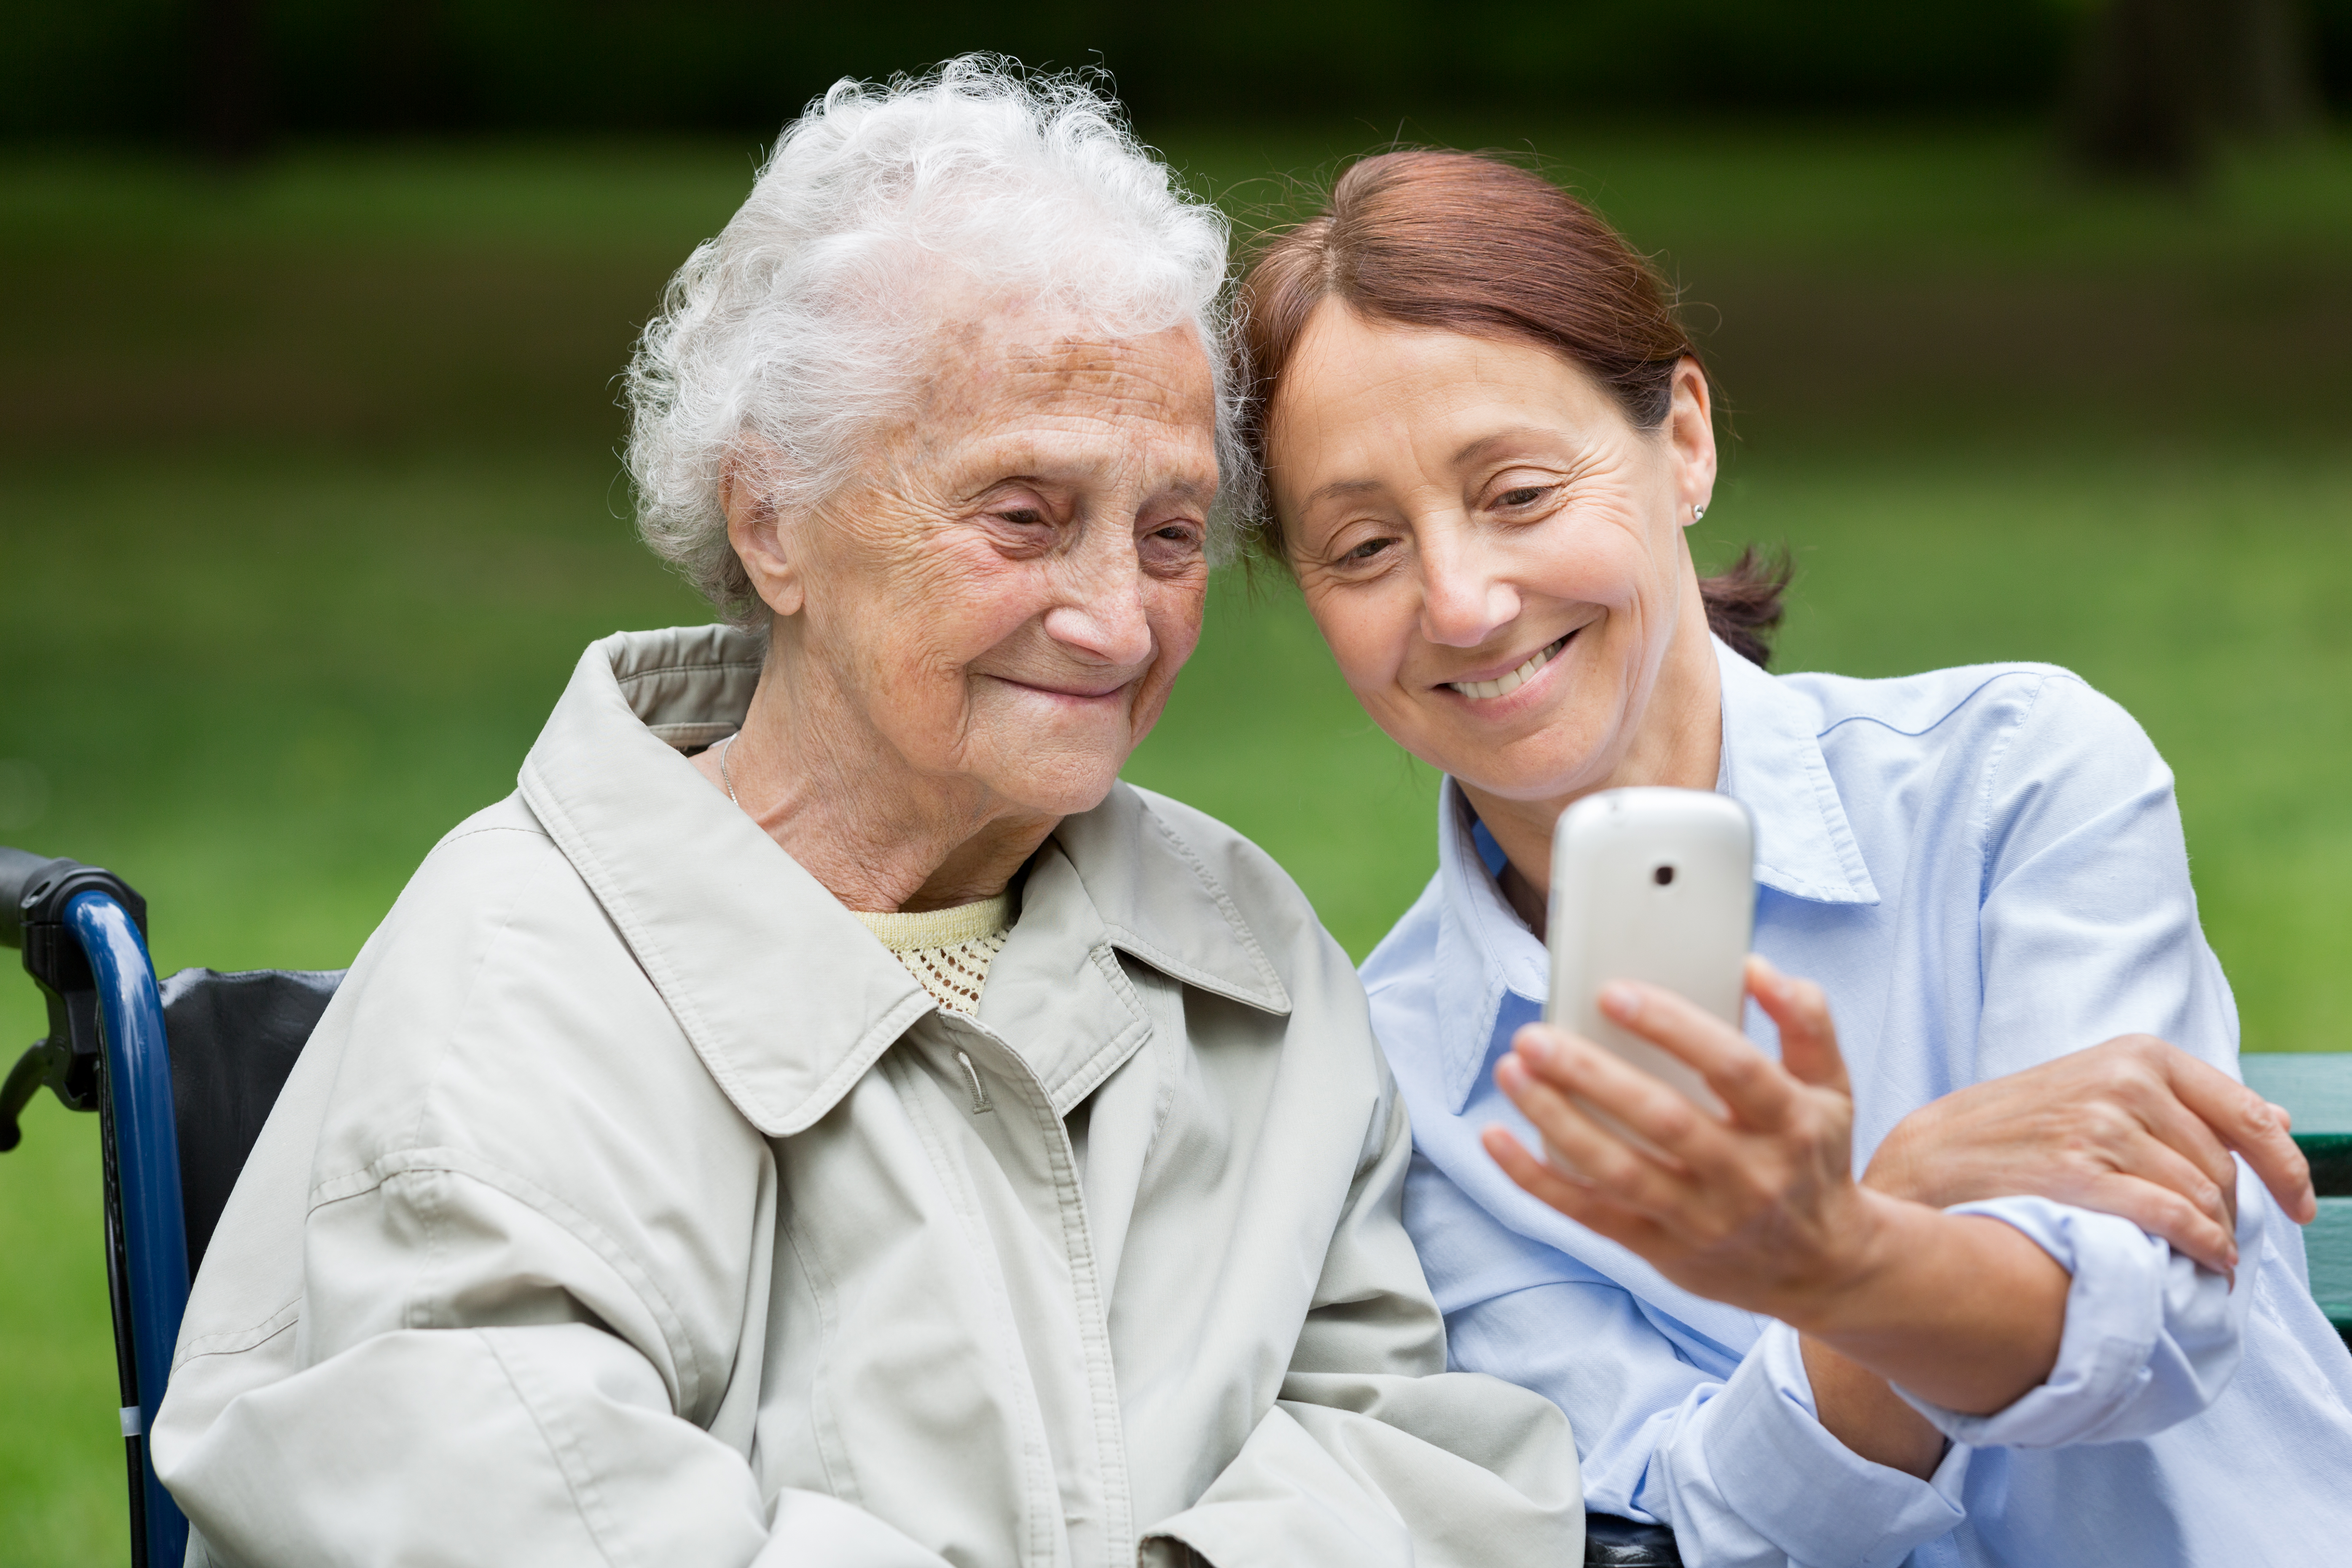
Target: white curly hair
pixel 810 319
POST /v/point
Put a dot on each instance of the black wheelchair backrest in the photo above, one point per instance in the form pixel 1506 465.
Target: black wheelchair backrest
pixel 234 1041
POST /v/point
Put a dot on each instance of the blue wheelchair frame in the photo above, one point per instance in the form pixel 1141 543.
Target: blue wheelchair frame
pixel 84 943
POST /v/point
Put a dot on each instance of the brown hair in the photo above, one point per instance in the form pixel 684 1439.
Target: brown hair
pixel 1467 244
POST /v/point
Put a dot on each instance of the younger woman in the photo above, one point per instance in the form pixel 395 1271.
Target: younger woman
pixel 1484 434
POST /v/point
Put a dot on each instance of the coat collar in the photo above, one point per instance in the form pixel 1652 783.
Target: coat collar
pixel 785 996
pixel 1158 901
pixel 1773 764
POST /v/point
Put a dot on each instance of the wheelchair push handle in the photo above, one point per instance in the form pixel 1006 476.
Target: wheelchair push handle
pixel 19 869
pixel 37 894
pixel 34 891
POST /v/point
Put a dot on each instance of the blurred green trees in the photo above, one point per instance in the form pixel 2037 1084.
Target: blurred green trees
pixel 2160 83
pixel 235 72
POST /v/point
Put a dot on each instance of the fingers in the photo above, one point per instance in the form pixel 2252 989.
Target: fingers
pixel 2162 1140
pixel 1546 1068
pixel 2191 1230
pixel 1580 1202
pixel 2204 1179
pixel 1752 1083
pixel 2245 1121
pixel 1571 1068
pixel 2283 1168
pixel 1809 1046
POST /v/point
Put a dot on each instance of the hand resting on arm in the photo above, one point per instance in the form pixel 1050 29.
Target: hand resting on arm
pixel 1759 1209
pixel 2136 1128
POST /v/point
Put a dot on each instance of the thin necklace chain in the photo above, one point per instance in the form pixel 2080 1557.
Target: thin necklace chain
pixel 729 784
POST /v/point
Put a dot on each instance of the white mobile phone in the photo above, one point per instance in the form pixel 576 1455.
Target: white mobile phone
pixel 1656 884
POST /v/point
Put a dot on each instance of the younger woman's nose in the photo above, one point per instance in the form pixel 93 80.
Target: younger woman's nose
pixel 1463 600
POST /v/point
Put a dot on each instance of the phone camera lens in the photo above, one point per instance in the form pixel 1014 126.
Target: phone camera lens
pixel 1663 875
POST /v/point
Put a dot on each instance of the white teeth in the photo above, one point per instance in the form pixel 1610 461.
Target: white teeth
pixel 1480 690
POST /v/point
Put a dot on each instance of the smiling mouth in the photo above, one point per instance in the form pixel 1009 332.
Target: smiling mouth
pixel 1074 694
pixel 1485 690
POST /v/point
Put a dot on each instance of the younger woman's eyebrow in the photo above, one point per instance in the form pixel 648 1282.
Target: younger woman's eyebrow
pixel 1477 449
pixel 1342 488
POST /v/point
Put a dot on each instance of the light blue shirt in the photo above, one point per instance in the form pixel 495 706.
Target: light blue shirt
pixel 1984 869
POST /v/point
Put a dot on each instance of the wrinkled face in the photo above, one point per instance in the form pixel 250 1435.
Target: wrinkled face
pixel 1009 591
pixel 1492 548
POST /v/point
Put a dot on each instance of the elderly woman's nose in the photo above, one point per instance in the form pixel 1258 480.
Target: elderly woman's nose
pixel 1464 601
pixel 1107 625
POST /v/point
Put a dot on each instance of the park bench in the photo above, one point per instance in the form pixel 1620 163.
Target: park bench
pixel 182 1075
pixel 2316 1090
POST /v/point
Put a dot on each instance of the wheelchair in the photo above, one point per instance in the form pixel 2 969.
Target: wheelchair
pixel 183 1074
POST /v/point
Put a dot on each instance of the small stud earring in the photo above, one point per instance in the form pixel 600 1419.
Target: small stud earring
pixel 1698 511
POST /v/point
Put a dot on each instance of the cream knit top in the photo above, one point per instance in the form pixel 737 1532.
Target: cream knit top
pixel 947 950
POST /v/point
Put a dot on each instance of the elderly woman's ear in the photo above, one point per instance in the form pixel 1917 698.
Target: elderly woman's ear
pixel 756 529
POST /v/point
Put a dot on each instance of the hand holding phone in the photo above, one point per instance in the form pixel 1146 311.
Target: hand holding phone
pixel 1759 1207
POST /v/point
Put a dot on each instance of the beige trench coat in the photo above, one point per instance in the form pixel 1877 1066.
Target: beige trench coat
pixel 633 1205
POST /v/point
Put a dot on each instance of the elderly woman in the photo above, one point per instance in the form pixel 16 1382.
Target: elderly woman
pixel 878 1138
pixel 1485 435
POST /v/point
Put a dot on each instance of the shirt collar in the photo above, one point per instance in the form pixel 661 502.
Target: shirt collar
pixel 786 998
pixel 1772 764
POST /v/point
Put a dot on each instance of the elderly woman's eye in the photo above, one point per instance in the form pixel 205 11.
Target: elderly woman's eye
pixel 1171 545
pixel 1523 495
pixel 1022 516
pixel 1370 549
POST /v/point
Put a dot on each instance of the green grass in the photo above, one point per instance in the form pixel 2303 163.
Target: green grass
pixel 307 508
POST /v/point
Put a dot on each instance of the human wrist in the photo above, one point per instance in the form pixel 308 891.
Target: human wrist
pixel 1862 1410
pixel 1961 1311
pixel 1861 1294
